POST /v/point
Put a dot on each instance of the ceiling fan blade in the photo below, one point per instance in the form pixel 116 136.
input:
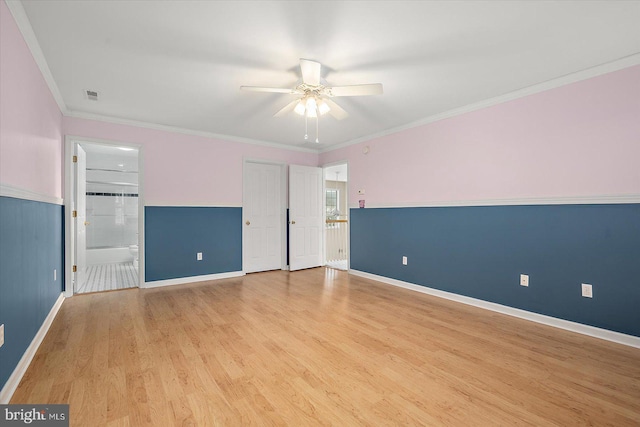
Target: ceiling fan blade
pixel 336 110
pixel 287 109
pixel 268 89
pixel 356 90
pixel 310 72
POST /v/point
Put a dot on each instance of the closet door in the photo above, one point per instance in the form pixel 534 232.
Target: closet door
pixel 305 217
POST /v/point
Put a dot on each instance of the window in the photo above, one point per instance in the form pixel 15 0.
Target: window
pixel 332 197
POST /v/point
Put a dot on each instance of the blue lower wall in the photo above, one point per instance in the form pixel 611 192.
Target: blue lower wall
pixel 480 252
pixel 173 236
pixel 31 247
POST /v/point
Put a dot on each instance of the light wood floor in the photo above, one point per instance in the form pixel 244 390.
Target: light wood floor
pixel 320 347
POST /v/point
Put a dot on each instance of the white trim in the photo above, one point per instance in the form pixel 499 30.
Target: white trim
pixel 141 205
pixel 100 141
pixel 580 328
pixel 21 193
pixel 184 131
pixel 20 369
pixel 609 67
pixel 524 201
pixel 69 227
pixel 191 279
pixel 24 25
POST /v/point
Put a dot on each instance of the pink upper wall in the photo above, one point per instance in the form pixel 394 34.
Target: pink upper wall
pixel 30 120
pixel 578 140
pixel 183 169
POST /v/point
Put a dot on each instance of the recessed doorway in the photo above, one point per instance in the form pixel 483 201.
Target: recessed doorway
pixel 103 210
pixel 336 216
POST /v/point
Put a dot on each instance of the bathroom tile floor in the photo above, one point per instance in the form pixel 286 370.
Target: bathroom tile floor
pixel 108 277
pixel 340 265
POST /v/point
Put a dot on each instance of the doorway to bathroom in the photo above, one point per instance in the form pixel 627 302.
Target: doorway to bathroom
pixel 104 217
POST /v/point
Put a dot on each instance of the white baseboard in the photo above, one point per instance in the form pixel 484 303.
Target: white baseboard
pixel 17 374
pixel 192 279
pixel 580 328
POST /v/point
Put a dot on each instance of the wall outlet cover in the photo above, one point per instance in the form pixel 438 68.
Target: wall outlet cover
pixel 524 280
pixel 587 290
pixel 199 256
pixel 1 335
pixel 404 260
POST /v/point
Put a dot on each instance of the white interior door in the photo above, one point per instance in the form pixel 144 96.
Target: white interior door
pixel 305 217
pixel 263 217
pixel 81 217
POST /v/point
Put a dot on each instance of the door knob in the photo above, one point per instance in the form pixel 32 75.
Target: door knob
pixel 87 223
pixel 248 222
pixel 293 222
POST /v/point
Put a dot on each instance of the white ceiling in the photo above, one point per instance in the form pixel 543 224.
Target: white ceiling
pixel 180 63
pixel 336 173
pixel 111 157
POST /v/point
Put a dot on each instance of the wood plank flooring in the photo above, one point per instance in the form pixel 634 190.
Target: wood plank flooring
pixel 320 347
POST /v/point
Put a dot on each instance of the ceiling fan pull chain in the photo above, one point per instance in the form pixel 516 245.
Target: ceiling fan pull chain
pixel 306 133
pixel 317 132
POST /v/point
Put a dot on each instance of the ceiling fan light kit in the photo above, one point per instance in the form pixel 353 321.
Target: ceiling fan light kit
pixel 314 97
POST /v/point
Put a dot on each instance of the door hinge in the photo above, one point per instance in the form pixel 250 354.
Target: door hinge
pixel 75 159
pixel 74 214
pixel 75 268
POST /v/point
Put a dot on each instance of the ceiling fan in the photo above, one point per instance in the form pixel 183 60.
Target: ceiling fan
pixel 313 97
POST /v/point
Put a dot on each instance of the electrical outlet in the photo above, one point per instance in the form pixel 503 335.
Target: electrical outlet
pixel 524 280
pixel 1 335
pixel 55 274
pixel 404 260
pixel 587 290
pixel 361 192
pixel 199 256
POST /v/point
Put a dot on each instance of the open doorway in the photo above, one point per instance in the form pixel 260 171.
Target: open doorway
pixel 336 216
pixel 104 217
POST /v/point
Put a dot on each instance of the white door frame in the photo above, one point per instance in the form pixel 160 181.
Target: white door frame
pixel 283 209
pixel 346 201
pixel 69 200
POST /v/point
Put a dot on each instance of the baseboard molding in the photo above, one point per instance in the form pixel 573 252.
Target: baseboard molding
pixel 17 374
pixel 580 328
pixel 21 193
pixel 192 279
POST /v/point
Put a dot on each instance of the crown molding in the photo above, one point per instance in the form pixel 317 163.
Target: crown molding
pixel 598 70
pixel 24 25
pixel 20 16
pixel 184 131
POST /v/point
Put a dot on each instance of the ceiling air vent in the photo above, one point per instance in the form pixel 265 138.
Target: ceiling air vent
pixel 91 95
